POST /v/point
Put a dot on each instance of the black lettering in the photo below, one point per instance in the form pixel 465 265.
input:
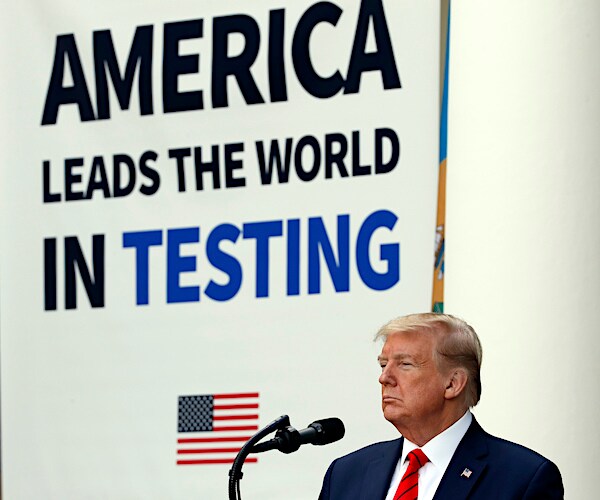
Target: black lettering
pixel 48 196
pixel 150 173
pixel 57 95
pixel 380 135
pixel 337 158
pixel 357 168
pixel 140 56
pixel 98 170
pixel 74 260
pixel 180 155
pixel 277 84
pixel 50 274
pixel 72 178
pixel 232 164
pixel 175 65
pixel 120 189
pixel 207 166
pixel 307 76
pixel 380 60
pixel 283 168
pixel 236 66
pixel 310 174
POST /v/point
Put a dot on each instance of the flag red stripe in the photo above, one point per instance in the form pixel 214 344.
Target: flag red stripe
pixel 235 417
pixel 213 461
pixel 235 396
pixel 235 407
pixel 213 440
pixel 236 428
pixel 208 450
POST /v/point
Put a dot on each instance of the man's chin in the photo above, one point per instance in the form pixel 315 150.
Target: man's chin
pixel 392 413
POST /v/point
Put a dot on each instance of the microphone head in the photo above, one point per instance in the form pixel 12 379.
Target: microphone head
pixel 329 430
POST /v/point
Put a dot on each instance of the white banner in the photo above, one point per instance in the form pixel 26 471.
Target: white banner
pixel 208 208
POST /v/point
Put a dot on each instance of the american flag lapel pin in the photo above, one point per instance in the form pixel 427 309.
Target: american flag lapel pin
pixel 466 473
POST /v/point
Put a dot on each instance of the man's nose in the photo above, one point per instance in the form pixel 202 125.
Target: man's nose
pixel 386 377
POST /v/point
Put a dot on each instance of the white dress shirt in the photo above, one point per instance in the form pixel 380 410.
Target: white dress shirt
pixel 439 451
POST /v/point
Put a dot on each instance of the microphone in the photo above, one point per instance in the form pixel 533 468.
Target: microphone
pixel 288 439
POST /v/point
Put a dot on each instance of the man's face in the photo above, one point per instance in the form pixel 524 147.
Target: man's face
pixel 412 388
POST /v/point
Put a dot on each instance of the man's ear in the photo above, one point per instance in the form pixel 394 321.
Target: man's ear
pixel 456 383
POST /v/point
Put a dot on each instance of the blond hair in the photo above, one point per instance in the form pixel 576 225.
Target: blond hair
pixel 457 345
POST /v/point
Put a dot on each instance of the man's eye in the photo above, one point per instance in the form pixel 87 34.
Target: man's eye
pixel 406 363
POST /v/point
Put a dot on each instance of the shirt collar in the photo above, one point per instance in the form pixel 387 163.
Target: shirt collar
pixel 441 448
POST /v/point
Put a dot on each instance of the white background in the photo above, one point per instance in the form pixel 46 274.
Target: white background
pixel 89 397
pixel 522 233
pixel 521 260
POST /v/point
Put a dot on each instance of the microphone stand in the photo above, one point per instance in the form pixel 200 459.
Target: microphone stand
pixel 235 474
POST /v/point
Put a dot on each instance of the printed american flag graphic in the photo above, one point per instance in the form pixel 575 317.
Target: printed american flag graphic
pixel 213 427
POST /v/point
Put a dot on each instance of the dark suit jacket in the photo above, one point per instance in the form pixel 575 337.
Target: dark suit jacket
pixel 500 470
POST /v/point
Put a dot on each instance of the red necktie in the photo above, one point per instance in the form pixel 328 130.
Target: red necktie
pixel 408 489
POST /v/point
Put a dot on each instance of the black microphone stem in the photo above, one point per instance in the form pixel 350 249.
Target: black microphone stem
pixel 235 474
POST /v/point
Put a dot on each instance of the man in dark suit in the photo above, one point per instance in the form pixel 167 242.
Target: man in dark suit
pixel 430 378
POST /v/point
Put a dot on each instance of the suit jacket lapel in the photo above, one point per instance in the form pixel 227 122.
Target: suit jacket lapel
pixel 466 466
pixel 379 473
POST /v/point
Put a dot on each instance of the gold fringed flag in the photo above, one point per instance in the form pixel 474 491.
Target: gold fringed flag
pixel 440 238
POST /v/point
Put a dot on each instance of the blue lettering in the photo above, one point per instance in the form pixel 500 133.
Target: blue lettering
pixel 293 257
pixel 224 262
pixel 390 252
pixel 261 232
pixel 318 239
pixel 178 264
pixel 142 241
pixel 329 249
